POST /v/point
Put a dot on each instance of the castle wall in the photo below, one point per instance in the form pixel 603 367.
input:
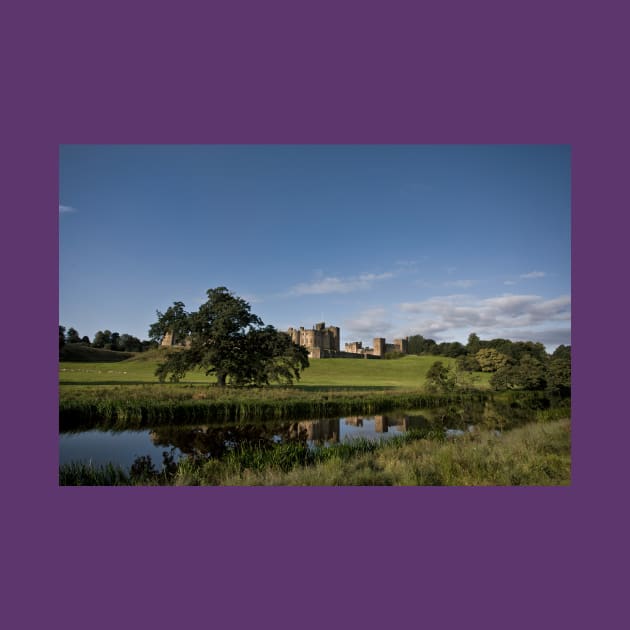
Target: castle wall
pixel 322 342
pixel 355 347
pixel 402 345
pixel 319 340
pixel 379 346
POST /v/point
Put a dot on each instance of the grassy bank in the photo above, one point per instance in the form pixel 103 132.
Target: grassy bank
pixel 127 394
pixel 535 454
pixel 144 406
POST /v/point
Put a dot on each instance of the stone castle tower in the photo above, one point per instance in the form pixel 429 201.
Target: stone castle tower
pixel 379 346
pixel 319 340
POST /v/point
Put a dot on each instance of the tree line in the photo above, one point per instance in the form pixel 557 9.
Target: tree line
pixel 524 365
pixel 105 339
pixel 417 344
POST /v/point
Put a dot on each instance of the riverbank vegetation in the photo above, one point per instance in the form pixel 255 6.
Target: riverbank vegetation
pixel 535 454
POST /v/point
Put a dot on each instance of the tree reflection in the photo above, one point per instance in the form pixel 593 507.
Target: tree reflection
pixel 214 441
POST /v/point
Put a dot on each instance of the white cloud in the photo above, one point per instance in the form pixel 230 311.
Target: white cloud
pixel 489 317
pixel 534 274
pixel 373 322
pixel 509 282
pixel 550 337
pixel 334 284
pixel 65 209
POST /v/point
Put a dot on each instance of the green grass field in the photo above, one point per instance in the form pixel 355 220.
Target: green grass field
pixel 397 374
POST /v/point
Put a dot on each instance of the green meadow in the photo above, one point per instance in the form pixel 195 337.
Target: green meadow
pixel 396 374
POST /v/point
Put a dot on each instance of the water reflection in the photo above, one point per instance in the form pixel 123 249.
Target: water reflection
pixel 214 441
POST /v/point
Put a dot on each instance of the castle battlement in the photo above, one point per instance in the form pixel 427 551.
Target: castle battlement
pixel 320 341
pixel 323 342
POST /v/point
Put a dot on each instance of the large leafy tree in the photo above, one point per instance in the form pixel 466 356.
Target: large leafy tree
pixel 226 339
pixel 417 344
pixel 175 320
pixel 129 343
pixel 529 373
pixel 72 336
pixel 491 360
pixel 560 371
pixel 474 344
pixel 102 339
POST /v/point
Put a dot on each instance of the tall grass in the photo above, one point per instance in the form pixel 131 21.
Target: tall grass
pixel 83 412
pixel 534 454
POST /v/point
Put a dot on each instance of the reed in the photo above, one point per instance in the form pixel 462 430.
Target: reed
pixel 136 412
pixel 538 453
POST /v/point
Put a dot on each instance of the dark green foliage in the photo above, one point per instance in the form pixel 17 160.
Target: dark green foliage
pixel 114 342
pixel 440 378
pixel 142 472
pixel 559 371
pixel 142 469
pixel 106 340
pixel 174 320
pixel 417 344
pixel 82 474
pixel 84 353
pixel 129 343
pixel 529 373
pixel 468 363
pixel 393 354
pixel 102 339
pixel 72 336
pixel 451 349
pixel 474 344
pixel 148 345
pixel 62 337
pixel 226 339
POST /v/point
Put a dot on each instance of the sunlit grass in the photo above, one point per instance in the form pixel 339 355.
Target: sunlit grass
pixel 406 373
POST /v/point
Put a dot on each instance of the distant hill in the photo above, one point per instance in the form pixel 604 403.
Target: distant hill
pixel 84 354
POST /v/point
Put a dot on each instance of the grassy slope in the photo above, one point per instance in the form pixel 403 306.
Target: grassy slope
pixel 79 353
pixel 406 373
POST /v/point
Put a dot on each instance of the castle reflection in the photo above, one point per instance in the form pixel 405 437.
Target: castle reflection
pixel 215 440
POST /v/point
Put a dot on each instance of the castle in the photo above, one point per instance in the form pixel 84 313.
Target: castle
pixel 322 342
pixel 319 341
pixel 380 347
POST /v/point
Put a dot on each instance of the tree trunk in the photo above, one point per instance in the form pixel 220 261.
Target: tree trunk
pixel 221 376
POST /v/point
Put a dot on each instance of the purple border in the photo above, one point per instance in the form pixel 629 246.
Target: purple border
pixel 342 72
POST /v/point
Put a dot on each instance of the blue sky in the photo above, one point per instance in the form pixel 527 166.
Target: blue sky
pixel 380 240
